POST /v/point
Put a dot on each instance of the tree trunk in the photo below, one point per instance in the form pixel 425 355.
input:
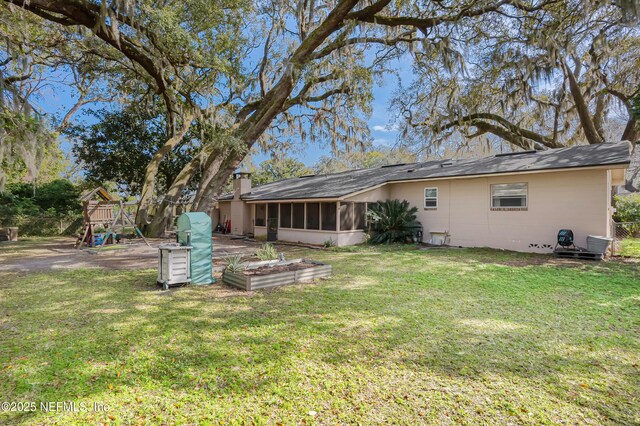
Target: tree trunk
pixel 631 131
pixel 151 172
pixel 211 167
pixel 632 175
pixel 588 126
pixel 216 183
pixel 598 115
pixel 160 220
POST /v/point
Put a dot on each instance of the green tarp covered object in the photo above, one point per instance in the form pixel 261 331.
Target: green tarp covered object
pixel 194 229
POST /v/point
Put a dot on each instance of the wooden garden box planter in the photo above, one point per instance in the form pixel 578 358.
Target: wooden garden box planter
pixel 269 280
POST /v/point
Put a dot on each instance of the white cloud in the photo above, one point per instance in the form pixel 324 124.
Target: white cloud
pixel 379 128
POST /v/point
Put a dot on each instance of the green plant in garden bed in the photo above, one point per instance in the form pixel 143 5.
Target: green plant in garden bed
pixel 397 335
pixel 267 252
pixel 235 263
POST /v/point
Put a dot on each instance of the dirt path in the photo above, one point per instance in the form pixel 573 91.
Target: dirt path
pixel 58 253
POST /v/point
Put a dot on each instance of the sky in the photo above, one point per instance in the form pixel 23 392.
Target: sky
pixel 58 98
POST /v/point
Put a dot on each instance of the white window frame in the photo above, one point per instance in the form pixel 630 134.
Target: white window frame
pixel 526 197
pixel 430 198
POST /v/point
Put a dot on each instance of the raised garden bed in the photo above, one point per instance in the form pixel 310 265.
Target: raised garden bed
pixel 273 273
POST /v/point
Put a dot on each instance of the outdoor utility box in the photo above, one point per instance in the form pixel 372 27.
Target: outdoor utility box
pixel 438 238
pixel 174 265
pixel 597 244
pixel 194 230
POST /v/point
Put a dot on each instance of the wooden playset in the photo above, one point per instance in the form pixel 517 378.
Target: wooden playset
pixel 101 210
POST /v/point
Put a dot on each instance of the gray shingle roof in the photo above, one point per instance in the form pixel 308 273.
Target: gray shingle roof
pixel 340 184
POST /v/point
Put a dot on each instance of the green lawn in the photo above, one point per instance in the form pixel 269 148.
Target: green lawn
pixel 397 336
pixel 630 247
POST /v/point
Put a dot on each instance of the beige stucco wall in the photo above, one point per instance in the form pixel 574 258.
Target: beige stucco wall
pixel 578 200
pixel 240 214
pixel 617 176
pixel 240 217
pixel 371 196
pixel 214 214
pixel 349 238
pixel 221 214
pixel 260 231
pixel 225 210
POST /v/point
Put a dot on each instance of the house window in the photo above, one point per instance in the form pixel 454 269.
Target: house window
pixel 261 215
pixel 297 221
pixel 431 198
pixel 346 216
pixel 313 215
pixel 359 215
pixel 329 212
pixel 285 215
pixel 509 196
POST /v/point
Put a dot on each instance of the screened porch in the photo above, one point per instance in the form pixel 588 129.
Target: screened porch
pixel 295 221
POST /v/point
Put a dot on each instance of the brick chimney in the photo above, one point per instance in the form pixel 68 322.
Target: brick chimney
pixel 241 184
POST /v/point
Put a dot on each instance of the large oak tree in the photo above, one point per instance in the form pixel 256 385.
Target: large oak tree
pixel 257 72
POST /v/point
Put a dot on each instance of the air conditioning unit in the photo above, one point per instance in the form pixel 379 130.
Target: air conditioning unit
pixel 174 265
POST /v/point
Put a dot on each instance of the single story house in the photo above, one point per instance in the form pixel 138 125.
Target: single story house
pixel 515 201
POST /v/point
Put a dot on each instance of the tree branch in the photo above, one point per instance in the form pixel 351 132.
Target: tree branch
pixel 82 13
pixel 300 100
pixel 16 78
pixel 590 130
pixel 338 44
pixel 513 130
pixel 508 136
pixel 82 101
pixel 370 14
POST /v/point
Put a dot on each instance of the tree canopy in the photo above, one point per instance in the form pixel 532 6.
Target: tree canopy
pixel 271 74
pixel 559 76
pixel 119 145
pixel 364 159
pixel 278 168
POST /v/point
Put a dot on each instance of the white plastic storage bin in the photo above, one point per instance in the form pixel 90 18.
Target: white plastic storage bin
pixel 598 244
pixel 174 265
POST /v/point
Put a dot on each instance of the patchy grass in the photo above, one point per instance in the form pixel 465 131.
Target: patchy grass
pixel 398 335
pixel 28 245
pixel 630 247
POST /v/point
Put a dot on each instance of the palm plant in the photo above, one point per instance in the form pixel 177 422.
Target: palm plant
pixel 392 221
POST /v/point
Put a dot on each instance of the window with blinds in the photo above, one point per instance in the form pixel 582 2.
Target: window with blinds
pixel 509 195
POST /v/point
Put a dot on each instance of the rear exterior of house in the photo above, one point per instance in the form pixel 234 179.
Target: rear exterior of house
pixel 515 202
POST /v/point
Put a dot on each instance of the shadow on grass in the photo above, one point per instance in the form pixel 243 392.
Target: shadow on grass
pixel 568 333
